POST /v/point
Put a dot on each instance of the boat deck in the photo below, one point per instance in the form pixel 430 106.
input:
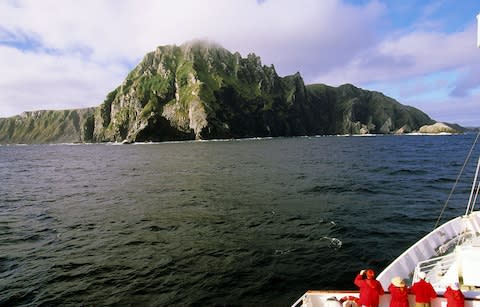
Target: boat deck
pixel 314 298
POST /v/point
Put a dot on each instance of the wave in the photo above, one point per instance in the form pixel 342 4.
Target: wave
pixel 339 189
pixel 282 252
pixel 334 242
pixel 407 172
pixel 223 222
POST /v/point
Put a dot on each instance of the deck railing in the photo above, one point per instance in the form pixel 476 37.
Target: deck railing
pixel 449 246
pixel 435 268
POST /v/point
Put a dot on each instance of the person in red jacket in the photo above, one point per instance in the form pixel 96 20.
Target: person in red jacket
pixel 370 288
pixel 423 291
pixel 399 293
pixel 454 296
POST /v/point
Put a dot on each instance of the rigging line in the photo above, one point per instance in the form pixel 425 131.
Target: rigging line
pixel 477 188
pixel 470 199
pixel 476 196
pixel 456 181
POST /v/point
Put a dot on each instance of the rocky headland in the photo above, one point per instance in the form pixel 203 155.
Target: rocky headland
pixel 202 91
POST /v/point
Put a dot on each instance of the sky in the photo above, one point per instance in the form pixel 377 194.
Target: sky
pixel 64 54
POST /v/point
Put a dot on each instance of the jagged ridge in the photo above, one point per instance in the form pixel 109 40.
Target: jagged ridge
pixel 201 91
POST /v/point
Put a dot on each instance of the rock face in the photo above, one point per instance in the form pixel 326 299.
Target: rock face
pixel 68 126
pixel 202 91
pixel 351 110
pixel 437 128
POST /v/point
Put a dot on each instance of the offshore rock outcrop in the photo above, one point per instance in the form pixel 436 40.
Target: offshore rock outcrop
pixel 438 128
pixel 202 91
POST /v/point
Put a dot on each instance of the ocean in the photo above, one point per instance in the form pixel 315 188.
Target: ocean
pixel 216 223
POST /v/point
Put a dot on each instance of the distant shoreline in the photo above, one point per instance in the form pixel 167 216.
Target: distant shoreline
pixel 241 139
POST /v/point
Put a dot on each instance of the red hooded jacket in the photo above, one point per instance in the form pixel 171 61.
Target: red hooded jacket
pixel 399 296
pixel 423 291
pixel 454 298
pixel 370 291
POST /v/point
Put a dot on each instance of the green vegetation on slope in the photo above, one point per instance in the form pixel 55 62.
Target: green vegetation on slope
pixel 65 126
pixel 201 90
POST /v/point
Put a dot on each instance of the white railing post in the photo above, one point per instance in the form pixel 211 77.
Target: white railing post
pixel 478 30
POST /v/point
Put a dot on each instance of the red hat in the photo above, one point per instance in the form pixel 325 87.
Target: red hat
pixel 370 274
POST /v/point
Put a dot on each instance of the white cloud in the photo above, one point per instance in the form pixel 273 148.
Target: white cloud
pixel 33 81
pixel 464 111
pixel 77 43
pixel 407 56
pixel 75 52
pixel 287 32
pixel 403 67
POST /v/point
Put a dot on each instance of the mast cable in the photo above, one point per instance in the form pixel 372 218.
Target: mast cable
pixel 470 203
pixel 476 196
pixel 456 181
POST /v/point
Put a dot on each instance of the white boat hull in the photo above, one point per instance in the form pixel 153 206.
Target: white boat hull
pixel 429 246
pixel 319 299
pixel 448 255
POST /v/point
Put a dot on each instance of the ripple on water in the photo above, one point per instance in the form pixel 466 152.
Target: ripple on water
pixel 331 188
pixel 232 223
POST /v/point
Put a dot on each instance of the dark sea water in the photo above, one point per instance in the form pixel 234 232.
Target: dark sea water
pixel 241 222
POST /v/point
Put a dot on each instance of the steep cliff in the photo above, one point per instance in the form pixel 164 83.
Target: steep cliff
pixel 67 126
pixel 201 91
pixel 350 110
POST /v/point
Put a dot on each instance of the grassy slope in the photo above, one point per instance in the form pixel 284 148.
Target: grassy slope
pixel 240 96
pixel 66 126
